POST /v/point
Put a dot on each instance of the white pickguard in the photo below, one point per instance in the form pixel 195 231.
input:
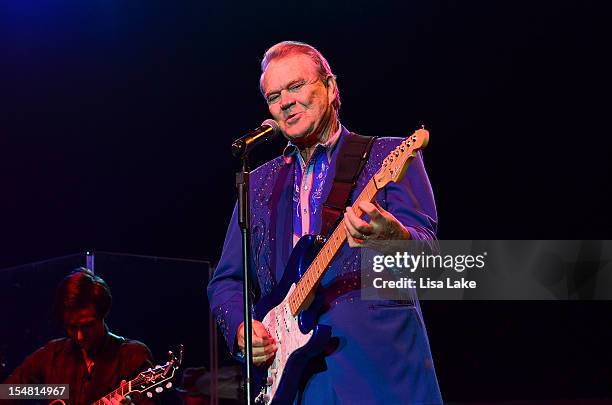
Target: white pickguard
pixel 285 329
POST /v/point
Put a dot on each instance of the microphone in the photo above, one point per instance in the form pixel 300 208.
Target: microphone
pixel 267 130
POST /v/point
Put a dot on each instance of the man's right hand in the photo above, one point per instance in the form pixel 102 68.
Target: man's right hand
pixel 264 346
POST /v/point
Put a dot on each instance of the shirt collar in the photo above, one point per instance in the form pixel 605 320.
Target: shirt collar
pixel 291 150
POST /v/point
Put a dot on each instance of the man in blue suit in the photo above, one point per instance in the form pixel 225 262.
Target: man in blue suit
pixel 380 351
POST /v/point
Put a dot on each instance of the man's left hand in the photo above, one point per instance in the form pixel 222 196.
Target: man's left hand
pixel 118 399
pixel 383 226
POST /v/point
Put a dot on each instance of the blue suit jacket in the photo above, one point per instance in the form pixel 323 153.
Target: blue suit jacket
pixel 381 353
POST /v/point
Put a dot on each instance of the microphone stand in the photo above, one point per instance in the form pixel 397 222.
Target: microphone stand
pixel 242 185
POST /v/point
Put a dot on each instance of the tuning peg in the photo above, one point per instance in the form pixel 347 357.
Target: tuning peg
pixel 169 385
pixel 150 394
pixel 159 389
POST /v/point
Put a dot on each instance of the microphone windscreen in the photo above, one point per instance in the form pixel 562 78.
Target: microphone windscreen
pixel 273 124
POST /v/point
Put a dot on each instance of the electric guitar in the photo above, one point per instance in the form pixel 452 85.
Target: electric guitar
pixel 287 313
pixel 156 378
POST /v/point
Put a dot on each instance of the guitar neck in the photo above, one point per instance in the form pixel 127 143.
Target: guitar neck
pixel 326 255
pixel 149 379
pixel 393 169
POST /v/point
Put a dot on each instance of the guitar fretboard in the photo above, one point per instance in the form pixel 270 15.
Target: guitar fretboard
pixel 325 256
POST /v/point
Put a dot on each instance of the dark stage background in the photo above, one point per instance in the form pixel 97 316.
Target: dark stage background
pixel 117 117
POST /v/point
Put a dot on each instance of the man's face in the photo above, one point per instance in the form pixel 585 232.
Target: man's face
pixel 85 328
pixel 297 99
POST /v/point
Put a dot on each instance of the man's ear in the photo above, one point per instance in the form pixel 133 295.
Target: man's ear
pixel 332 88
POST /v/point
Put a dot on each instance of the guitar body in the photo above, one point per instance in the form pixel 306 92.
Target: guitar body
pixel 299 338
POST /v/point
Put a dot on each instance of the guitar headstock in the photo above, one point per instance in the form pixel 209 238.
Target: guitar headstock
pixel 395 164
pixel 159 377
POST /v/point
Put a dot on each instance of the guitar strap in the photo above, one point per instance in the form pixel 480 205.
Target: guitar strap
pixel 352 158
